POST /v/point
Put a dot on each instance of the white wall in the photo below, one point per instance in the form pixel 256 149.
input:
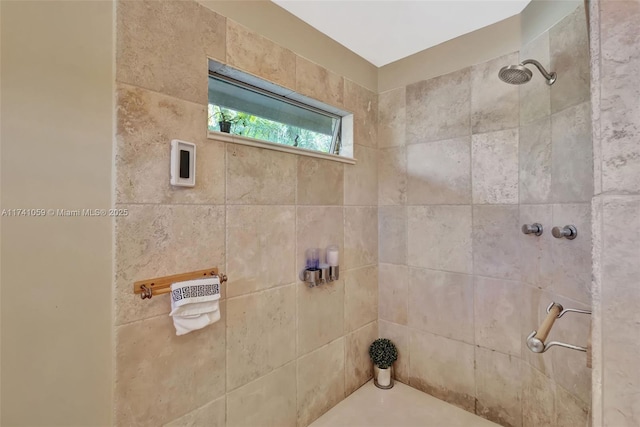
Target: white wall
pixel 482 45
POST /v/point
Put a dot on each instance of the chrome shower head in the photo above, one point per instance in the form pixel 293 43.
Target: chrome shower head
pixel 519 74
pixel 515 74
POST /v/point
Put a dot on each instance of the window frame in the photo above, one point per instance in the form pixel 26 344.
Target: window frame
pixel 344 129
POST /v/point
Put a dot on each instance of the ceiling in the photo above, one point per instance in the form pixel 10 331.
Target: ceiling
pixel 384 31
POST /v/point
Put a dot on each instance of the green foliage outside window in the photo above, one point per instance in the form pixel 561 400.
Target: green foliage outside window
pixel 268 130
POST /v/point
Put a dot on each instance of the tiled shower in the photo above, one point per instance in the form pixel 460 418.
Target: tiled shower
pixel 429 222
pixel 282 354
pixel 451 163
pixel 460 285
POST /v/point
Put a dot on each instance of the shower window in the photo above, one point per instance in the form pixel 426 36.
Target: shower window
pixel 238 106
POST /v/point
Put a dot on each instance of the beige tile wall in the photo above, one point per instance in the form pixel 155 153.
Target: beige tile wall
pixel 282 354
pixel 616 210
pixel 464 161
pixel 449 168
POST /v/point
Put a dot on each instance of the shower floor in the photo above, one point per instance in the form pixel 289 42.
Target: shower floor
pixel 401 406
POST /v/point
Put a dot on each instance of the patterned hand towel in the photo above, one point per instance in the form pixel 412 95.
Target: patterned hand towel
pixel 194 304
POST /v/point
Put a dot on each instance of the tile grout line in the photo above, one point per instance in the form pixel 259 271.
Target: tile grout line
pixel 297 292
pixel 472 269
pixel 344 304
pixel 407 250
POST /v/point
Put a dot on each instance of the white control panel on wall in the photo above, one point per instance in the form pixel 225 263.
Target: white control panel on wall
pixel 183 163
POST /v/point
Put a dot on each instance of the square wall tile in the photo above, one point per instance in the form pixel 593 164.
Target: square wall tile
pixel 495 248
pixel 441 303
pixel 497 310
pixel 536 259
pixel 358 365
pixel 260 328
pixel 439 108
pixel 572 155
pixel 620 237
pixel 393 293
pixel 146 123
pixel 361 179
pixel 360 297
pixel 320 381
pixel 620 400
pixel 571 259
pixel 267 401
pixel 320 315
pixel 319 227
pixel 360 236
pixel 392 116
pixel 538 403
pixel 252 53
pixel 569 51
pixel 620 154
pixel 320 182
pixel 619 317
pixel 439 172
pixel 141 347
pixel 440 237
pixel 163 46
pixel 319 83
pixel 570 410
pixel 494 167
pixel 494 103
pixel 535 96
pixel 363 103
pixel 211 414
pixel 161 240
pixel 392 234
pixel 254 235
pixel 443 368
pixel 619 96
pixel 399 336
pixel 256 176
pixel 535 161
pixel 392 176
pixel 499 389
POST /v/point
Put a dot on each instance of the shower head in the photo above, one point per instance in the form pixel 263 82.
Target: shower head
pixel 519 74
pixel 515 74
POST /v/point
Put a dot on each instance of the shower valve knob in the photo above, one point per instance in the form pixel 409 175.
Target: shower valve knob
pixel 534 228
pixel 568 231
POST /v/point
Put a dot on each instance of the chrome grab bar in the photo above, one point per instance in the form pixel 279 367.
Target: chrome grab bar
pixel 535 340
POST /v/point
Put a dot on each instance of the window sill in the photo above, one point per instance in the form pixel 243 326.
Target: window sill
pixel 243 140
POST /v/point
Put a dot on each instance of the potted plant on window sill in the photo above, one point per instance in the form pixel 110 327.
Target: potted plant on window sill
pixel 383 353
pixel 224 121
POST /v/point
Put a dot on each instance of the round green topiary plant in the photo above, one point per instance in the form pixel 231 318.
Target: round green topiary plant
pixel 383 353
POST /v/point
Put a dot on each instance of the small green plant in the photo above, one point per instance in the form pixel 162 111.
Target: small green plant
pixel 226 116
pixel 383 353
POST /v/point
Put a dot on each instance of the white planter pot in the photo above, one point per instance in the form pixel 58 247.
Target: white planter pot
pixel 382 377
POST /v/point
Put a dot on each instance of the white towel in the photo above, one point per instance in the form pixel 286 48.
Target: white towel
pixel 194 304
